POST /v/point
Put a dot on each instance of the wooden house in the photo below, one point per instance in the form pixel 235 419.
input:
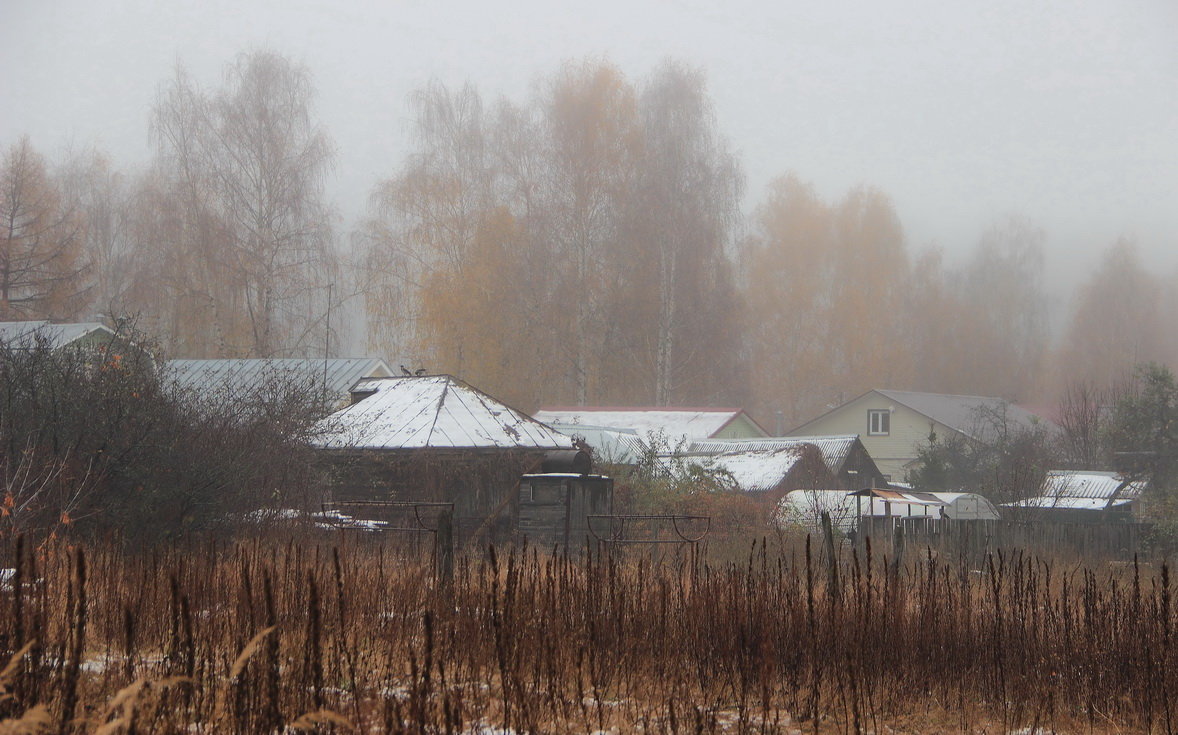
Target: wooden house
pixel 434 439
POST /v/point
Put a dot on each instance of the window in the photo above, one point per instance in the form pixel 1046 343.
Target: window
pixel 879 422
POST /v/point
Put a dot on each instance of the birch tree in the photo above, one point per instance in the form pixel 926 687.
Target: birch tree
pixel 589 128
pixel 689 192
pixel 245 166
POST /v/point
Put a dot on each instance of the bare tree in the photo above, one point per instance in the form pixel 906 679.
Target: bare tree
pixel 245 165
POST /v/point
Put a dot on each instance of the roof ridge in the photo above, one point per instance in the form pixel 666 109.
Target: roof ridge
pixel 885 391
pixel 633 409
pixel 441 402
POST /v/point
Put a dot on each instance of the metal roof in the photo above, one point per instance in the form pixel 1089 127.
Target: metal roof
pixel 1090 484
pixel 965 414
pixel 434 411
pixel 1047 501
pixel 58 335
pixel 835 449
pixel 610 446
pixel 752 471
pixel 675 423
pixel 242 377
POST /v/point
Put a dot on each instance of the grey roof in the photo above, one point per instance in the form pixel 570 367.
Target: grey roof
pixel 432 412
pixel 674 424
pixel 965 414
pixel 1090 484
pixel 58 335
pixel 610 445
pixel 835 449
pixel 242 377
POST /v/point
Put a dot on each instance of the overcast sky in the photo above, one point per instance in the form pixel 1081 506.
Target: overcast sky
pixel 1065 111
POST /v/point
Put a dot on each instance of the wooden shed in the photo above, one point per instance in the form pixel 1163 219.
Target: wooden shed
pixel 435 439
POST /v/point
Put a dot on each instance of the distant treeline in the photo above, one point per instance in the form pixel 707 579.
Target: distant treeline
pixel 587 244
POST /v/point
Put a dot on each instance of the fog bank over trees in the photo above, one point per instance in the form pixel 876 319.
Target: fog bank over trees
pixel 593 241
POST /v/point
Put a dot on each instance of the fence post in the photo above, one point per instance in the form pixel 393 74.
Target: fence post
pixel 832 568
pixel 445 551
pixel 898 547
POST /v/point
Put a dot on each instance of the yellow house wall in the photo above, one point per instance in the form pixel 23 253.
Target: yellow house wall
pixel 909 430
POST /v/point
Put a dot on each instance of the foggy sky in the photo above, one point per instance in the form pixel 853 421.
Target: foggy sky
pixel 1063 111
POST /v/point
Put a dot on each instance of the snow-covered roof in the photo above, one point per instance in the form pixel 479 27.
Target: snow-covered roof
pixel 1064 503
pixel 435 412
pixel 835 449
pixel 610 446
pixel 57 335
pixel 233 377
pixel 675 424
pixel 761 470
pixel 1090 484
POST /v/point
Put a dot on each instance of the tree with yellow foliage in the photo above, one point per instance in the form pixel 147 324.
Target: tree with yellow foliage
pixel 42 267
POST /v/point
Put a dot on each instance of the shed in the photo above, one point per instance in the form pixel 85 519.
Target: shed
pixel 765 472
pixel 1082 496
pixel 56 335
pixel 844 455
pixel 554 507
pixel 435 439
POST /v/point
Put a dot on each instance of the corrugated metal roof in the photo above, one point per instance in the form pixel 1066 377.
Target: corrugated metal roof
pixel 242 377
pixel 835 449
pixel 1064 503
pixel 436 411
pixel 1090 484
pixel 58 335
pixel 610 446
pixel 676 423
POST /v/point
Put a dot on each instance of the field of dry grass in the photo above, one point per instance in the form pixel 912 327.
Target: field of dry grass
pixel 334 634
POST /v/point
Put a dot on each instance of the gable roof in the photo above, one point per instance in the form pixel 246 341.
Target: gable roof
pixel 58 335
pixel 835 449
pixel 676 423
pixel 432 412
pixel 961 413
pixel 957 412
pixel 241 377
pixel 759 470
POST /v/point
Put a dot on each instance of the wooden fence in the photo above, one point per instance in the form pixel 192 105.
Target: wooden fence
pixel 975 537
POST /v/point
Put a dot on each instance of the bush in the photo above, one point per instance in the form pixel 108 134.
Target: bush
pixel 95 440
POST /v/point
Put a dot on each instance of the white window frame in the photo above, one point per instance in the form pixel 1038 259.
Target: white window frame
pixel 879 422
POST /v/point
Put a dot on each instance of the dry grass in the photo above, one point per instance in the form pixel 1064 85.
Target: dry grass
pixel 344 636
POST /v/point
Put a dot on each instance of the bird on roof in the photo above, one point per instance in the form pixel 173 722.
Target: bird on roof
pixel 419 372
pixel 405 371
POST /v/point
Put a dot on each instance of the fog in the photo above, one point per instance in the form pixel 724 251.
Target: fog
pixel 1062 111
pixel 993 133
